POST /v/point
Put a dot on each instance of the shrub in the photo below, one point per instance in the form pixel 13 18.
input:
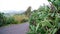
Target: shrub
pixel 16 19
pixel 45 20
pixel 20 18
pixel 6 20
pixel 11 20
pixel 2 19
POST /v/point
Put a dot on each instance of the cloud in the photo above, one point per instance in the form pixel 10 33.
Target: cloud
pixel 20 4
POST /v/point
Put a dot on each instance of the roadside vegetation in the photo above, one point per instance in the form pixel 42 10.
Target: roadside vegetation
pixel 20 18
pixel 15 19
pixel 46 19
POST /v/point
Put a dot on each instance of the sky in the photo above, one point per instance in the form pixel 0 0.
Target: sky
pixel 21 4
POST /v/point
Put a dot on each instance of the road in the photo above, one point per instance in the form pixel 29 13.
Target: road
pixel 15 29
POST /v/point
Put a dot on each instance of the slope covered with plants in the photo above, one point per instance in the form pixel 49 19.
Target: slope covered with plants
pixel 14 19
pixel 46 20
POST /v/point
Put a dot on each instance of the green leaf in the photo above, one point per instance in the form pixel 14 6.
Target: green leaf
pixel 32 27
pixel 46 23
pixel 37 26
pixel 52 15
pixel 54 31
pixel 59 25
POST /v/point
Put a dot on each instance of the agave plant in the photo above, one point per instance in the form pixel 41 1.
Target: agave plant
pixel 45 20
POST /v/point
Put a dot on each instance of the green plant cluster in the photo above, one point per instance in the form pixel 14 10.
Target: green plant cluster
pixel 2 20
pixel 45 20
pixel 6 20
pixel 10 20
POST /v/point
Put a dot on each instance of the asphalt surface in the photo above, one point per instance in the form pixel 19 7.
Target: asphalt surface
pixel 15 29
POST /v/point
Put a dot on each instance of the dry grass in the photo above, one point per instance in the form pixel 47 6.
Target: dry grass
pixel 19 18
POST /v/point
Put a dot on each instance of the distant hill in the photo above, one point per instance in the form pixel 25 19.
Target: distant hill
pixel 12 12
pixel 21 12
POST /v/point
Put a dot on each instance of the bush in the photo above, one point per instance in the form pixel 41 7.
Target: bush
pixel 16 19
pixel 45 20
pixel 11 20
pixel 2 19
pixel 6 20
pixel 20 18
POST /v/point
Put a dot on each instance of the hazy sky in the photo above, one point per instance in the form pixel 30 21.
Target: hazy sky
pixel 20 4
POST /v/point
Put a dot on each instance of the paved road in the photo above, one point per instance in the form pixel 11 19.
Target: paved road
pixel 15 29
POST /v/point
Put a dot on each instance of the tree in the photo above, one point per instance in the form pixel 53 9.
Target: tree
pixel 28 11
